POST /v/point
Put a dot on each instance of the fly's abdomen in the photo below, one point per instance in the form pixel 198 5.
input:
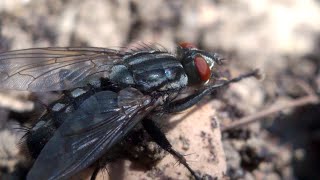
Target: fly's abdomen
pixel 44 129
pixel 151 71
pixel 38 136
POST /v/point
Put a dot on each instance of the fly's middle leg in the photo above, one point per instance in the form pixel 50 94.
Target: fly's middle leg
pixel 159 137
pixel 189 101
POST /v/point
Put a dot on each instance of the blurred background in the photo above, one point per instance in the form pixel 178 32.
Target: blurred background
pixel 280 37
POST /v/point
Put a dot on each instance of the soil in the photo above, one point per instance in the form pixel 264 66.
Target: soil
pixel 281 38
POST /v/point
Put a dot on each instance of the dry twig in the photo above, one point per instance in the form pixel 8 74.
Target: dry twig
pixel 310 98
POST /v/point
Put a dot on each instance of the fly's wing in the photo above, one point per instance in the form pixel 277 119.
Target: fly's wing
pixel 49 69
pixel 99 123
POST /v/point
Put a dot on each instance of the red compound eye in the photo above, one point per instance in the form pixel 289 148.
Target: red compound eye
pixel 202 68
pixel 187 45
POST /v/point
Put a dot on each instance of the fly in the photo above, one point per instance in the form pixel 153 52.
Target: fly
pixel 109 92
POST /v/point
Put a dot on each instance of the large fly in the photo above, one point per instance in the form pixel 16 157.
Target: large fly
pixel 141 83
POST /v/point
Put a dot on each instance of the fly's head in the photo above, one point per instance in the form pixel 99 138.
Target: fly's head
pixel 198 64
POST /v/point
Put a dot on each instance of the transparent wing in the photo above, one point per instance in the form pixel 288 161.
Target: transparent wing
pixel 49 69
pixel 100 122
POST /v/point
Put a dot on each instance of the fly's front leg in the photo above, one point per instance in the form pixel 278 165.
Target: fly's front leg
pixel 159 137
pixel 189 101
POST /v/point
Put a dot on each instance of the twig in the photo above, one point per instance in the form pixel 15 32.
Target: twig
pixel 310 98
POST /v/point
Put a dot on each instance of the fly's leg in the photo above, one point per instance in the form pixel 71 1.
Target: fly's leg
pixel 95 172
pixel 189 101
pixel 100 165
pixel 159 137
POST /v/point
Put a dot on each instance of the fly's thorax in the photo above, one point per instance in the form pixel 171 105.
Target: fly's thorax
pixel 150 71
pixel 198 64
pixel 120 74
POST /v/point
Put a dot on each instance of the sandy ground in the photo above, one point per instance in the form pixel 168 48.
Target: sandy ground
pixel 281 38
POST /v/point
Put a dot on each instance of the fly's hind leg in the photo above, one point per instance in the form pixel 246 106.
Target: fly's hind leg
pixel 159 137
pixel 100 166
pixel 95 172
